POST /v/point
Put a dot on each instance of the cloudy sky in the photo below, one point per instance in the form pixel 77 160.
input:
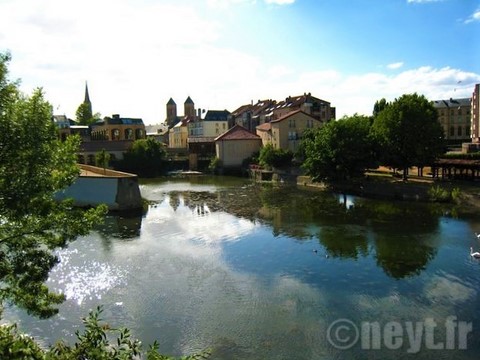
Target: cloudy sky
pixel 136 54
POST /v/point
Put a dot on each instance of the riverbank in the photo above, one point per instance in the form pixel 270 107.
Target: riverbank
pixel 466 199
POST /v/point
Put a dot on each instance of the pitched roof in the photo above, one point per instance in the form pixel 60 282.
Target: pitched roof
pixel 291 113
pixel 255 109
pixel 451 103
pixel 265 127
pixel 216 115
pixel 189 100
pixel 238 132
pixel 171 102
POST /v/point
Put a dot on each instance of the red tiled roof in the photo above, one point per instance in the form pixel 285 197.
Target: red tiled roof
pixel 265 127
pixel 238 132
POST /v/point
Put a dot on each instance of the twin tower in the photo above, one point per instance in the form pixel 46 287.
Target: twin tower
pixel 188 111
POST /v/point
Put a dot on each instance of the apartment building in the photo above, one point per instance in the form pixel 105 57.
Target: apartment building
pixel 455 117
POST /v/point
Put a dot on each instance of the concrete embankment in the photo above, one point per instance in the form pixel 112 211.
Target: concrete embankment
pixel 94 186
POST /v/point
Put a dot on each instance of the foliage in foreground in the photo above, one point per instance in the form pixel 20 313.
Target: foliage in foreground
pixel 34 165
pixel 98 341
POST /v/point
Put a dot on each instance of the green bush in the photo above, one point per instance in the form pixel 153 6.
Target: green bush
pixel 271 157
pixel 214 165
pixel 470 156
pixel 439 194
pixel 98 341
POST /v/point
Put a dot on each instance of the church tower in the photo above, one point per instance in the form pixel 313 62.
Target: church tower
pixel 171 112
pixel 189 107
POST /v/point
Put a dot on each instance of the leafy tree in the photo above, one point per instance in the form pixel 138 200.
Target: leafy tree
pixel 102 159
pixel 409 133
pixel 339 150
pixel 84 114
pixel 379 106
pixel 34 165
pixel 145 157
pixel 271 157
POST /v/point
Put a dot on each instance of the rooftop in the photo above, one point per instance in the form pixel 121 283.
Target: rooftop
pixel 238 132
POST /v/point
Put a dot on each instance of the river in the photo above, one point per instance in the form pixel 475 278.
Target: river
pixel 262 272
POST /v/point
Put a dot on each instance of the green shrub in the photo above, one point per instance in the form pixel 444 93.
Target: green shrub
pixel 98 341
pixel 439 194
pixel 271 157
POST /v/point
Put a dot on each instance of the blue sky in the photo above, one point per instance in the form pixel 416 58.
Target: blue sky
pixel 136 54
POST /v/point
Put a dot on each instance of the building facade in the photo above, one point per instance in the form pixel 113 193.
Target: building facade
pixel 454 116
pixel 236 145
pixel 286 132
pixel 475 109
pixel 116 128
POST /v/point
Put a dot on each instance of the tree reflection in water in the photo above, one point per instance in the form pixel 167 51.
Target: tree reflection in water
pixel 399 235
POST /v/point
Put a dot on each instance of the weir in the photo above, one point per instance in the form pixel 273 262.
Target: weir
pixel 95 185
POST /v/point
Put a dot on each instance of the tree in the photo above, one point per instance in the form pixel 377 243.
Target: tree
pixel 145 157
pixel 34 165
pixel 409 133
pixel 339 150
pixel 84 114
pixel 379 106
pixel 102 159
pixel 271 157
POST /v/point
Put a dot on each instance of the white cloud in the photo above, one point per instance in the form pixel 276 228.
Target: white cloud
pixel 280 2
pixel 223 4
pixel 423 1
pixel 396 65
pixel 474 17
pixel 136 58
pixel 357 93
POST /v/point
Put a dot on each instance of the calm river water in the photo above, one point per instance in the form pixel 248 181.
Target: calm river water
pixel 256 272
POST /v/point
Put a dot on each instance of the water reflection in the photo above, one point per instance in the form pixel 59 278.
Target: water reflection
pixel 401 237
pixel 232 268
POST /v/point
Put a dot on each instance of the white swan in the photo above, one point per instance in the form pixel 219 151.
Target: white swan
pixel 477 235
pixel 475 255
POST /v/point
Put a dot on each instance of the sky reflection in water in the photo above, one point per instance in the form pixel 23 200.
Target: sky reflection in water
pixel 234 268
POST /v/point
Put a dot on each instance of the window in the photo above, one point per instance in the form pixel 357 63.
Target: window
pixel 459 131
pixel 139 134
pixel 452 131
pixel 115 134
pixel 128 134
pixel 467 131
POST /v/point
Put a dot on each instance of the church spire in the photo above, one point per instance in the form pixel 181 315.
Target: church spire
pixel 87 102
pixel 87 97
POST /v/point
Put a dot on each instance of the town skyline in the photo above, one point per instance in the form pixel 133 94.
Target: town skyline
pixel 135 56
